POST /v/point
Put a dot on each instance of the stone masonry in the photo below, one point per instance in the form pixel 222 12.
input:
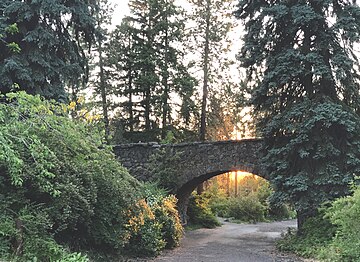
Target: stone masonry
pixel 196 162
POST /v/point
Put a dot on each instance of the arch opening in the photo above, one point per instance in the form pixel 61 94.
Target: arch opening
pixel 184 192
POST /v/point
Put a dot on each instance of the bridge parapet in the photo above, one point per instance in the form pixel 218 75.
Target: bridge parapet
pixel 195 159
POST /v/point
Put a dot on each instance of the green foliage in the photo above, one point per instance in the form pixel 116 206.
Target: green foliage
pixel 154 223
pixel 14 47
pixel 319 161
pixel 252 204
pixel 42 51
pixel 247 209
pixel 333 235
pixel 218 202
pixel 280 212
pixel 8 31
pixel 344 214
pixel 164 208
pixel 317 232
pixel 305 95
pixel 74 257
pixel 150 70
pixel 163 166
pixel 169 138
pixel 199 212
pixel 58 183
pixel 145 238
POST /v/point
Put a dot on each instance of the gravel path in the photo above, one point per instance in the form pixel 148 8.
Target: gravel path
pixel 232 242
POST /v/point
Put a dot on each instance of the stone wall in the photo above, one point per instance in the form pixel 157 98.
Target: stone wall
pixel 194 162
pixel 199 159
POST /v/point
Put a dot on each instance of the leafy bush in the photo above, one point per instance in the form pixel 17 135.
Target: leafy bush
pixel 154 223
pixel 247 209
pixel 241 206
pixel 145 238
pixel 167 214
pixel 333 235
pixel 220 206
pixel 199 212
pixel 164 169
pixel 344 213
pixel 280 212
pixel 58 183
pixel 317 232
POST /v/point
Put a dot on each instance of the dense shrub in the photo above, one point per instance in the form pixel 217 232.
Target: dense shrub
pixel 318 232
pixel 344 213
pixel 58 183
pixel 154 223
pixel 280 212
pixel 247 209
pixel 220 206
pixel 163 167
pixel 252 203
pixel 333 235
pixel 200 213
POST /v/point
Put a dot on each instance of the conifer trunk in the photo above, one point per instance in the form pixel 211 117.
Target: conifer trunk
pixel 104 102
pixel 205 74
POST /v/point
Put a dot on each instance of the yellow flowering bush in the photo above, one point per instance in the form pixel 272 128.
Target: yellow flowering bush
pixel 167 214
pixel 154 223
pixel 145 237
pixel 77 110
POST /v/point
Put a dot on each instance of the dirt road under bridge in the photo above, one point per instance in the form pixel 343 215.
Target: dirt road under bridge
pixel 232 242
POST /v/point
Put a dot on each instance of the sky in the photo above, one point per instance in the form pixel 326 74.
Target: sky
pixel 120 11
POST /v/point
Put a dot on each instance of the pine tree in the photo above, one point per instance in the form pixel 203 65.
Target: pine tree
pixel 100 75
pixel 210 36
pixel 224 112
pixel 121 59
pixel 149 68
pixel 49 37
pixel 300 58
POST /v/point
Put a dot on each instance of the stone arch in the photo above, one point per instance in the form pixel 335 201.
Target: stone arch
pixel 185 190
pixel 195 162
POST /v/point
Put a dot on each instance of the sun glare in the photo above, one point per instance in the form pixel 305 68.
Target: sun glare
pixel 240 175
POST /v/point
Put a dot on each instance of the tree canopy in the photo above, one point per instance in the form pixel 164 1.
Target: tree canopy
pixel 301 62
pixel 51 38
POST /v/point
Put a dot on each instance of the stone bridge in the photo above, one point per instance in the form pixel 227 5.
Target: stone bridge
pixel 190 164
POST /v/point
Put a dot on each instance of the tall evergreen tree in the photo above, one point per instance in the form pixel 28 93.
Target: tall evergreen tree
pixel 49 37
pixel 301 61
pixel 210 42
pixel 121 59
pixel 99 80
pixel 149 67
pixel 210 34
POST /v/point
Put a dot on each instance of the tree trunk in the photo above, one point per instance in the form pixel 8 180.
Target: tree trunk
pixel 130 88
pixel 202 135
pixel 236 183
pixel 205 74
pixel 302 216
pixel 228 184
pixel 19 243
pixel 103 90
pixel 166 84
